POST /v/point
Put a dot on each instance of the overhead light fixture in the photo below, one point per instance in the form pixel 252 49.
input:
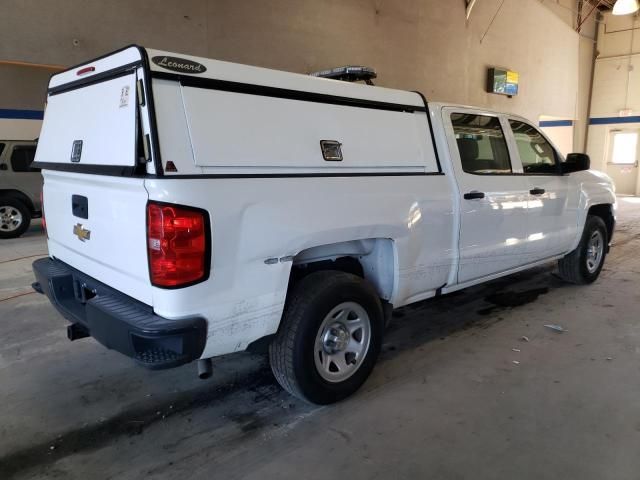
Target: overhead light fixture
pixel 625 7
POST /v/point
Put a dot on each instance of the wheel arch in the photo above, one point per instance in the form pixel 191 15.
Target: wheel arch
pixel 373 259
pixel 603 206
pixel 604 211
pixel 18 195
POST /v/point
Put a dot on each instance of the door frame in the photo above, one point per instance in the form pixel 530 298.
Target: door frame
pixel 610 165
pixel 458 173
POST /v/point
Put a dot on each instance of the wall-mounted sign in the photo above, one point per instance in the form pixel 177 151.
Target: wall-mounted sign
pixel 503 82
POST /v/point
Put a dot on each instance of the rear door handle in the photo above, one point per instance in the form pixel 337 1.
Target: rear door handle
pixel 537 191
pixel 473 195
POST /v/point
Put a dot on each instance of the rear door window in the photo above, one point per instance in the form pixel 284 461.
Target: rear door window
pixel 481 143
pixel 22 158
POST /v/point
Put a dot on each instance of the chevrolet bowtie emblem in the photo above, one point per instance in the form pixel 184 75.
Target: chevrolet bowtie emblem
pixel 82 233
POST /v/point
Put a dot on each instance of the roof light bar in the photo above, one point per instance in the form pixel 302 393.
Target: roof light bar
pixel 348 73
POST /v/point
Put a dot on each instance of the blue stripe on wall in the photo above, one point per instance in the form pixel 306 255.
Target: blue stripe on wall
pixel 556 123
pixel 21 114
pixel 610 120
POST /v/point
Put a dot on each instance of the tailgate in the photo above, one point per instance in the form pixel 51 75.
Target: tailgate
pixel 110 243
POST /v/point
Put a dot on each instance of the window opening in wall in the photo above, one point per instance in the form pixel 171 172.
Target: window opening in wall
pixel 625 148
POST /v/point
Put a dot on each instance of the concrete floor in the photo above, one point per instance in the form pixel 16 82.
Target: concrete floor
pixel 446 401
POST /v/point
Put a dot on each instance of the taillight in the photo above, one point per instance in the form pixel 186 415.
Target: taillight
pixel 178 245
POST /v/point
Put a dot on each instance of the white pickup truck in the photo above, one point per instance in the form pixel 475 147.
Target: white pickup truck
pixel 196 208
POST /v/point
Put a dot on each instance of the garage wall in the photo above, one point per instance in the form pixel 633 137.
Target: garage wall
pixel 22 97
pixel 421 45
pixel 615 103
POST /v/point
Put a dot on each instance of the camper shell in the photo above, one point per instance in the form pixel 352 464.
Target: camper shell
pixel 177 97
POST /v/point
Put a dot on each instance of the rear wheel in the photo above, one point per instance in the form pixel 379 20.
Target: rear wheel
pixel 329 338
pixel 584 264
pixel 14 218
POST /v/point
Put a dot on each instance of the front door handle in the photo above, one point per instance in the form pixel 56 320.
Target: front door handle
pixel 473 195
pixel 537 191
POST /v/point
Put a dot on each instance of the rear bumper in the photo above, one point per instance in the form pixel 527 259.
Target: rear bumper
pixel 117 321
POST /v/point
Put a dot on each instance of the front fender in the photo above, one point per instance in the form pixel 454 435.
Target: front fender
pixel 595 188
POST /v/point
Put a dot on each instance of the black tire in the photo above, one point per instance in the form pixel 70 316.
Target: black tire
pixel 8 231
pixel 292 352
pixel 573 268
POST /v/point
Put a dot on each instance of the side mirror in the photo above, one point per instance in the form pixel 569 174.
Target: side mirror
pixel 576 162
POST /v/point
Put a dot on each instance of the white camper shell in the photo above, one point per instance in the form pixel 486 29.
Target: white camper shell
pixel 197 208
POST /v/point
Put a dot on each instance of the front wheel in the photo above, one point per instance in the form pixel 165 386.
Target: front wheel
pixel 583 265
pixel 14 218
pixel 329 339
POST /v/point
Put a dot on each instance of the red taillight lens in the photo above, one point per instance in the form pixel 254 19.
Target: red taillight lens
pixel 178 245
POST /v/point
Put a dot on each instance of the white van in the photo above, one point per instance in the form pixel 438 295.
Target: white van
pixel 196 208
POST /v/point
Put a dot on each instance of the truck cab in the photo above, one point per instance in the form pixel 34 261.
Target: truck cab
pixel 521 201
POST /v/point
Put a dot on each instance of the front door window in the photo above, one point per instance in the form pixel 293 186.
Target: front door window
pixel 536 153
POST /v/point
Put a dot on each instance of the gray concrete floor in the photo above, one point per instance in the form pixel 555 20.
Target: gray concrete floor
pixel 446 401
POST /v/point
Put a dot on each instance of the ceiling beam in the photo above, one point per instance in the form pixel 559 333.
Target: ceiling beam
pixel 581 22
pixel 33 65
pixel 470 4
pixel 579 16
